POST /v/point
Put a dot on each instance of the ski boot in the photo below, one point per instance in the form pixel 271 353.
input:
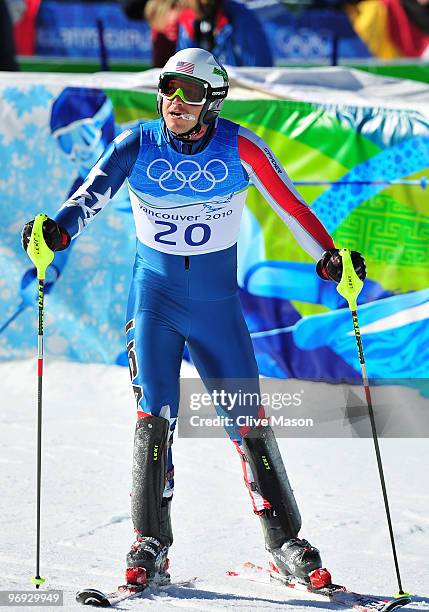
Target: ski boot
pixel 147 562
pixel 297 558
pixel 291 556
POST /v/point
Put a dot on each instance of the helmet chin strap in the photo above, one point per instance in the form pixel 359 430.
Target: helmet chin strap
pixel 188 135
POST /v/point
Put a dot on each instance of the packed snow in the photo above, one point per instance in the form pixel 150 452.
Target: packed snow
pixel 88 427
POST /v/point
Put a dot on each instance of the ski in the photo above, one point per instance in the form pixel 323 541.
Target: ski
pixel 94 597
pixel 336 593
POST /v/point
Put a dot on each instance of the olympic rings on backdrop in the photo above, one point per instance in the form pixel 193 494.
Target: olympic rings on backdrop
pixel 186 179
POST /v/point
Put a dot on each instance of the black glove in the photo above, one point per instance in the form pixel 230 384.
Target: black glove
pixel 330 267
pixel 56 238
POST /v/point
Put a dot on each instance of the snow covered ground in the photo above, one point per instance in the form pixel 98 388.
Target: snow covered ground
pixel 86 530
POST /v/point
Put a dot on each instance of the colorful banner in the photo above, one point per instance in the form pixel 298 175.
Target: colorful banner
pixel 363 170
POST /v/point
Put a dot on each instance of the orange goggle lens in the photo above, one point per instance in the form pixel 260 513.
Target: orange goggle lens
pixel 188 90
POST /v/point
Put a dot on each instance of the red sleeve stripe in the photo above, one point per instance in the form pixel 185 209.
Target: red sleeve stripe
pixel 273 183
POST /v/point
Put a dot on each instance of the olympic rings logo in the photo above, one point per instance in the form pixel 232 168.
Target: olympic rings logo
pixel 161 171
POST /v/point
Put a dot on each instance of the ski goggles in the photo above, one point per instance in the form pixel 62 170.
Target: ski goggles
pixel 189 90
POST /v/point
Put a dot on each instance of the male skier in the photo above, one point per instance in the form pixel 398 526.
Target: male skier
pixel 187 174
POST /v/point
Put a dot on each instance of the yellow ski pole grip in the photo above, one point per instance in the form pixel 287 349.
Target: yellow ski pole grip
pixel 350 284
pixel 37 250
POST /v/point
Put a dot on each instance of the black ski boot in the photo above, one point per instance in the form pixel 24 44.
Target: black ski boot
pixel 147 562
pixel 297 558
pixel 291 556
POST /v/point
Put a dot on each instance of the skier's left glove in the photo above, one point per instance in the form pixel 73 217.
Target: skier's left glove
pixel 56 237
pixel 330 267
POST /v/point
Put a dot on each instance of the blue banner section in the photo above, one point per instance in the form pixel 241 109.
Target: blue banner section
pixel 281 35
pixel 70 29
pixel 301 34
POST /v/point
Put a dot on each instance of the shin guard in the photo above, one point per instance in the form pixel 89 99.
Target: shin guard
pixel 150 517
pixel 271 481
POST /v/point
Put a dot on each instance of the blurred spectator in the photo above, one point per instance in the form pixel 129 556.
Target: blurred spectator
pixel 24 15
pixel 229 30
pixel 163 18
pixel 7 45
pixel 204 22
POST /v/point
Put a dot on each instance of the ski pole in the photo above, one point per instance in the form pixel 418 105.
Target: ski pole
pixel 41 255
pixel 349 287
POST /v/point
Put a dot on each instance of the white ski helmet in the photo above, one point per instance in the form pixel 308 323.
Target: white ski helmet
pixel 204 78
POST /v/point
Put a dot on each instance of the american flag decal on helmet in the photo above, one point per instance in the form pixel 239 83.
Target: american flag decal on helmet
pixel 186 67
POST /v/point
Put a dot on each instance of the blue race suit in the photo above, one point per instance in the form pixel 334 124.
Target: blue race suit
pixel 187 203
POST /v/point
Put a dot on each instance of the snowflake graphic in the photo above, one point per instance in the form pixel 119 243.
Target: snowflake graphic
pixel 25 101
pixel 41 94
pixel 30 130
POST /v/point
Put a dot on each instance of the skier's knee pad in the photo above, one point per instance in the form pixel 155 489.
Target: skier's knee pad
pixel 149 476
pixel 271 481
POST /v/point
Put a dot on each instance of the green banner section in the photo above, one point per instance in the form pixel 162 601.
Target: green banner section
pixel 318 144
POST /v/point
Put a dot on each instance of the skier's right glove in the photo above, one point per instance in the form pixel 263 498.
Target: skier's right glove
pixel 330 267
pixel 56 237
